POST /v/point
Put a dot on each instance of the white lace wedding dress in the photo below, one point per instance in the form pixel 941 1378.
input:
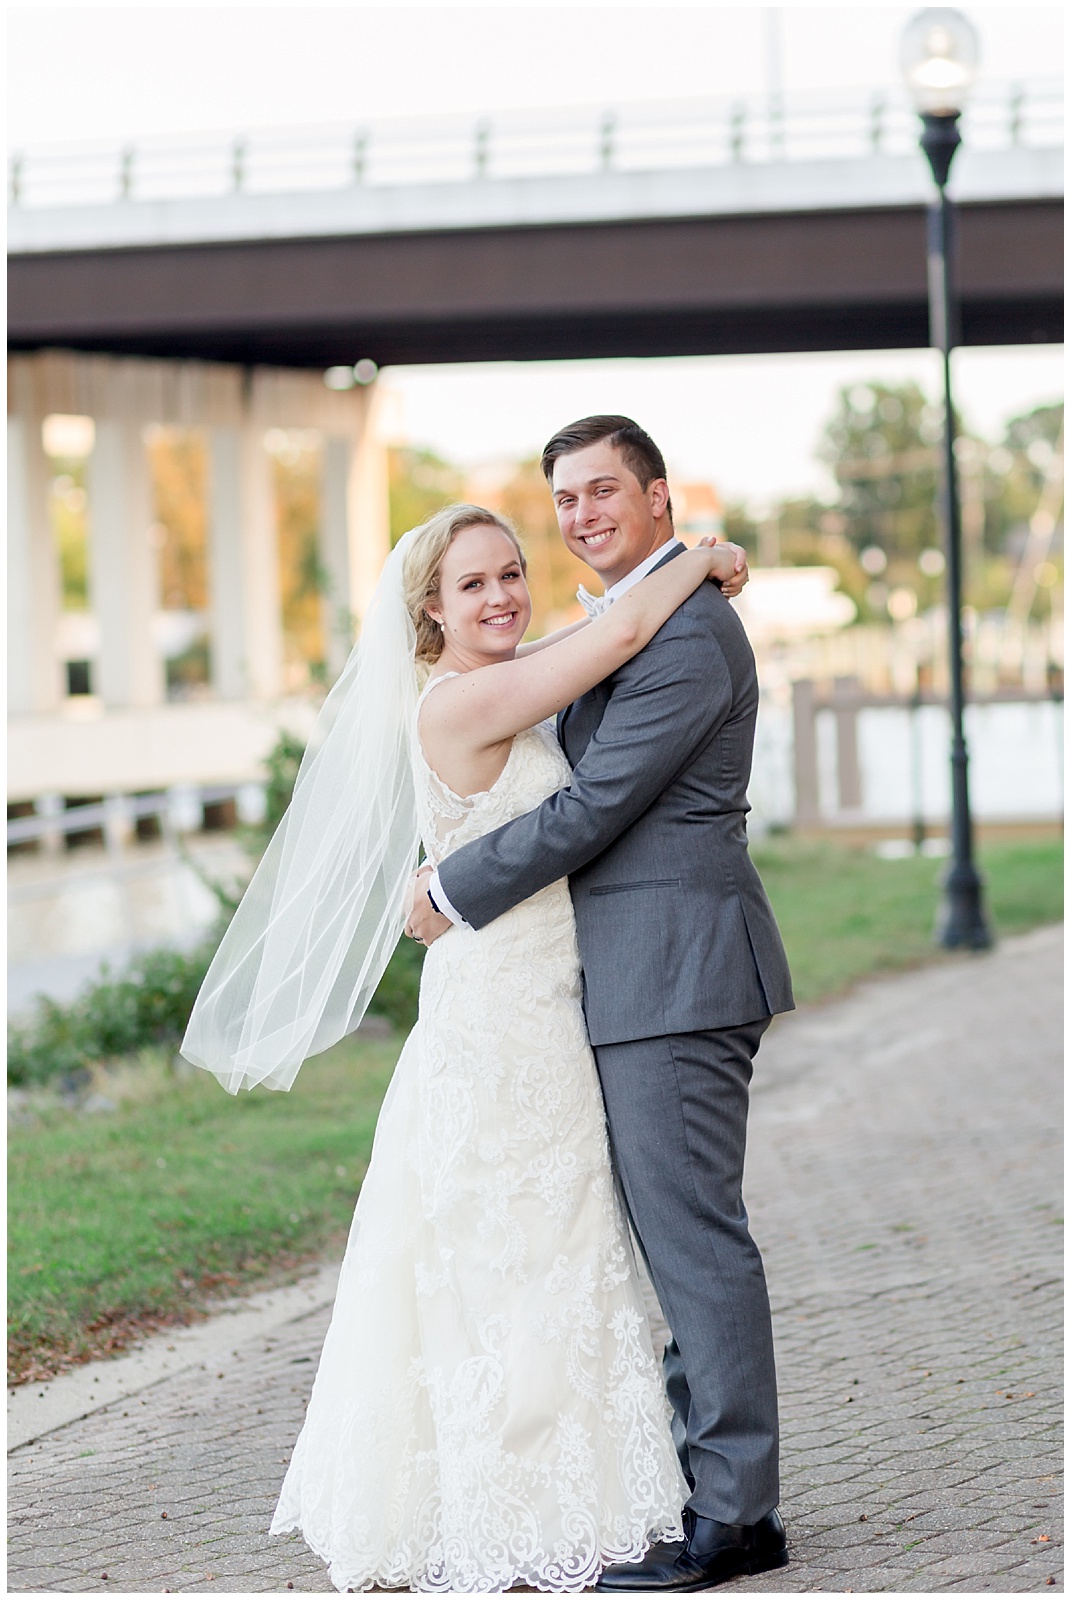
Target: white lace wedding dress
pixel 488 1410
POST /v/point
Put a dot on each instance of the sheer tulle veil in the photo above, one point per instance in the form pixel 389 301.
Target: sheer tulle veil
pixel 308 945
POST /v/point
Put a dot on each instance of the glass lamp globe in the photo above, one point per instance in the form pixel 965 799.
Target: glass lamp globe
pixel 939 58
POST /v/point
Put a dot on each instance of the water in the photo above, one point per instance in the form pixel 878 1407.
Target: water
pixel 69 914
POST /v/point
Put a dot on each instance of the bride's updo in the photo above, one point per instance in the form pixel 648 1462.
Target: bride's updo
pixel 423 564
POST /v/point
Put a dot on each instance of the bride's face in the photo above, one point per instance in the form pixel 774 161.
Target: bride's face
pixel 483 600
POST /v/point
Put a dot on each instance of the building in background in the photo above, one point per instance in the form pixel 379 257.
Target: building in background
pixel 190 547
pixel 697 510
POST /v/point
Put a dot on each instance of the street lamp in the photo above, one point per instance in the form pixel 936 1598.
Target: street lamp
pixel 938 55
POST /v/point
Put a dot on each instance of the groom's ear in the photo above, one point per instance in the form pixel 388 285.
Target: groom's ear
pixel 658 496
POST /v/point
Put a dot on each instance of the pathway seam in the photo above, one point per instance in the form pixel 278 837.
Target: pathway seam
pixel 35 1409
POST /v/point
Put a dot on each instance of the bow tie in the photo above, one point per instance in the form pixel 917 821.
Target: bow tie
pixel 593 604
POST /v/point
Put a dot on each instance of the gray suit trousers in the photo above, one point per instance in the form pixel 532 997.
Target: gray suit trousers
pixel 677 1112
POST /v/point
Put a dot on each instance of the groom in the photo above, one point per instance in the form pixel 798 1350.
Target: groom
pixel 683 969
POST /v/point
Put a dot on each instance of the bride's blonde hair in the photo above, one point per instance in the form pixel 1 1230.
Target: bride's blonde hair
pixel 423 565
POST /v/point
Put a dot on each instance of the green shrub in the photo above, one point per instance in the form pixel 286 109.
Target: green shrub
pixel 282 762
pixel 844 915
pixel 146 1004
pixel 47 1047
pixel 149 1003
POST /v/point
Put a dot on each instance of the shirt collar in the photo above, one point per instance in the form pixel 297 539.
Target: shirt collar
pixel 616 590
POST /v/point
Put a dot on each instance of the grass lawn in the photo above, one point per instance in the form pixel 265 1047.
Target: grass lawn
pixel 134 1218
pixel 845 914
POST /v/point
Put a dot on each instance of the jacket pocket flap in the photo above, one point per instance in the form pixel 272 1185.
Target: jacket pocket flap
pixel 643 883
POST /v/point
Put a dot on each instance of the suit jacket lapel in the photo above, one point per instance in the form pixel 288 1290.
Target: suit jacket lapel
pixel 578 722
pixel 570 729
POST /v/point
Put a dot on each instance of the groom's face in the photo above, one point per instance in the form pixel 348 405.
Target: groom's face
pixel 605 515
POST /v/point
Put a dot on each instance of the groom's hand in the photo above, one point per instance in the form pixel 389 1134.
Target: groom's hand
pixel 424 923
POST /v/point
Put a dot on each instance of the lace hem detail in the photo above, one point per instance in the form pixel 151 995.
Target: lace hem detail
pixel 549 1574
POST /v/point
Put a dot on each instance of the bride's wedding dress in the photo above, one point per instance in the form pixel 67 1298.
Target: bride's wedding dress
pixel 488 1410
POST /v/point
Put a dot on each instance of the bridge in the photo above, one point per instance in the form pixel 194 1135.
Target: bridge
pixel 187 285
pixel 691 228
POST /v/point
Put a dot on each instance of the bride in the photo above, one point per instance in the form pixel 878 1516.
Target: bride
pixel 488 1410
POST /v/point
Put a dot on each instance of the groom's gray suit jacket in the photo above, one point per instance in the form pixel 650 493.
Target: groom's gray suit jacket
pixel 675 931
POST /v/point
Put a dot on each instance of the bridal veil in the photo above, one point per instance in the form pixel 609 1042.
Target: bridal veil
pixel 310 941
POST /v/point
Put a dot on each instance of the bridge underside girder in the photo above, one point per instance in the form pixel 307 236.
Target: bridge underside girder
pixel 829 280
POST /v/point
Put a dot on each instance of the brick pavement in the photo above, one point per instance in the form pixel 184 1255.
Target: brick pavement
pixel 904 1183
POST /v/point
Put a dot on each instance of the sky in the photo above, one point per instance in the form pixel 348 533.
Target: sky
pixel 88 72
pixel 748 424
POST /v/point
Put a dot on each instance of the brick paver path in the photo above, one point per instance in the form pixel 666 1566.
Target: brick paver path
pixel 903 1179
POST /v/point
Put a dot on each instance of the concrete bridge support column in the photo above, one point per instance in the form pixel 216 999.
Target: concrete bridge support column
pixel 35 672
pixel 123 568
pixel 368 501
pixel 246 624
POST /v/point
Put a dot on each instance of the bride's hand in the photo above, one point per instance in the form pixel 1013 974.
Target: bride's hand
pixel 422 922
pixel 734 581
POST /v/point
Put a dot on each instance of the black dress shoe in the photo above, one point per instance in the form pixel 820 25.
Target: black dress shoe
pixel 712 1553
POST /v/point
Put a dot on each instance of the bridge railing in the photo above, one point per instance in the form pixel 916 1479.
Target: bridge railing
pixel 180 809
pixel 646 136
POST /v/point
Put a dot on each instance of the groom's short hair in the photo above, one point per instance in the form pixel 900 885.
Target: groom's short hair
pixel 642 456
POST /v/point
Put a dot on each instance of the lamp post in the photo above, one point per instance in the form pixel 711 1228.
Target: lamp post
pixel 938 55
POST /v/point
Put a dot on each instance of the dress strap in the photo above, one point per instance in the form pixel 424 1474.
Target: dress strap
pixel 432 682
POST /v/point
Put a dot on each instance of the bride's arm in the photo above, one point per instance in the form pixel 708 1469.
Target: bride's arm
pixel 530 647
pixel 730 588
pixel 732 585
pixel 479 710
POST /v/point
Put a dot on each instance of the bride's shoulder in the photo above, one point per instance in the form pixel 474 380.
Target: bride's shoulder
pixel 434 682
pixel 437 711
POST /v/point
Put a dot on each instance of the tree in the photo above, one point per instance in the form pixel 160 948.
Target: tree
pixel 807 533
pixel 296 470
pixel 420 484
pixel 178 463
pixel 1017 469
pixel 881 446
pixel 68 508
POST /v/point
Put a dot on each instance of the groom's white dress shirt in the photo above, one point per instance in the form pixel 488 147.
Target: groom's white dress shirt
pixel 594 605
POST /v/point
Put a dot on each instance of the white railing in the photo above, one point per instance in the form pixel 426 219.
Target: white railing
pixel 179 809
pixel 649 136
